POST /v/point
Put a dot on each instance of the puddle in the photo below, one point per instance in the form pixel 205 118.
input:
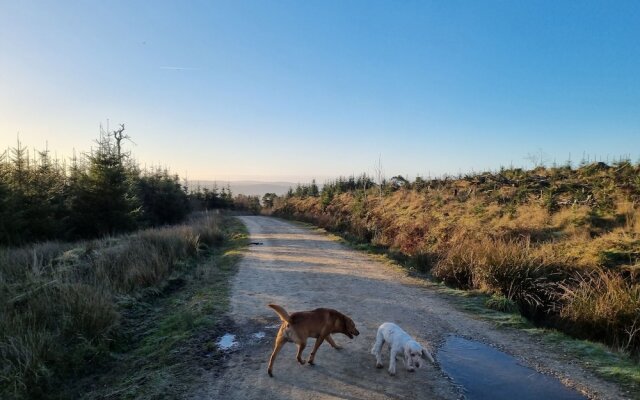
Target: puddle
pixel 227 342
pixel 275 326
pixel 258 335
pixel 486 373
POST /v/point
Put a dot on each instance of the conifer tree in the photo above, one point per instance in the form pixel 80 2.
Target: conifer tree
pixel 102 202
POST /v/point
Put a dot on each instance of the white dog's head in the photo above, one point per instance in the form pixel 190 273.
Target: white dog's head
pixel 414 353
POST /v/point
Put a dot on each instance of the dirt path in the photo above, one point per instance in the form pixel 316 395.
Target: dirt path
pixel 303 269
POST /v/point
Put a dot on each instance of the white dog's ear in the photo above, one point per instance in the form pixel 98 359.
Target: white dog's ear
pixel 425 354
pixel 407 352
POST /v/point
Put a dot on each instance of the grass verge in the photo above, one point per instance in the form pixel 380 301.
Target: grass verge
pixel 613 366
pixel 170 337
pixel 72 315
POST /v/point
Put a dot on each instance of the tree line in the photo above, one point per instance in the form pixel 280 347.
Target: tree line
pixel 100 192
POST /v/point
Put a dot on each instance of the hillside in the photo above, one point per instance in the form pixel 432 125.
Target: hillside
pixel 560 244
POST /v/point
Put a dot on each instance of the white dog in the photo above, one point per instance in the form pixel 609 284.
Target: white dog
pixel 399 341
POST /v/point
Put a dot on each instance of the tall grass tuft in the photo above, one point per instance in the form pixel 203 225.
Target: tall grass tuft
pixel 509 267
pixel 604 306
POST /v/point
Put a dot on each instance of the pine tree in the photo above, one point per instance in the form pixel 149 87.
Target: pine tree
pixel 102 203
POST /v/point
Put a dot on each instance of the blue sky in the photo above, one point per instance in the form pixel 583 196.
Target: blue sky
pixel 289 90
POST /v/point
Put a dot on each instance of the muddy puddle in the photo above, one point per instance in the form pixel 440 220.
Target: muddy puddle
pixel 486 373
pixel 230 341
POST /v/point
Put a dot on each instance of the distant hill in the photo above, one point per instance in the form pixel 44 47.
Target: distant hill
pixel 249 188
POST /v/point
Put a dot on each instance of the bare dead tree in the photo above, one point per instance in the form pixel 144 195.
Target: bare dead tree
pixel 119 136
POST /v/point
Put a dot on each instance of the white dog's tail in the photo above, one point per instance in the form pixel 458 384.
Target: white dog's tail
pixel 282 313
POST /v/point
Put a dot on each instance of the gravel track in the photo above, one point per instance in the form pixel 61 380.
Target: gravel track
pixel 300 269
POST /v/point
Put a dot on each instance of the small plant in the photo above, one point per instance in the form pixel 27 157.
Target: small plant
pixel 501 303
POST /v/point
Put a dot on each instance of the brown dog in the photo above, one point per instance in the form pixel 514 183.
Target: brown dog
pixel 319 323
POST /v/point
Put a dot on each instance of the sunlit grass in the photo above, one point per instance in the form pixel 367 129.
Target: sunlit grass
pixel 562 244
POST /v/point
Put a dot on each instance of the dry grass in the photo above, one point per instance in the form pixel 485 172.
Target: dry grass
pixel 538 238
pixel 58 300
pixel 604 306
pixel 526 275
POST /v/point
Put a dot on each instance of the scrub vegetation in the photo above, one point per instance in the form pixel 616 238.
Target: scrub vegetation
pixel 560 244
pixel 68 308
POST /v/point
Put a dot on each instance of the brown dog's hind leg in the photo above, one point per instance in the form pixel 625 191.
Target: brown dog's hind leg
pixel 332 343
pixel 280 341
pixel 319 341
pixel 301 347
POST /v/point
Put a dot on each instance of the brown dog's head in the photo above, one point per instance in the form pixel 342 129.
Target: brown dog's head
pixel 349 327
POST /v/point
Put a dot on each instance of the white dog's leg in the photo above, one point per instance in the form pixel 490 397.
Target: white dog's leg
pixel 376 350
pixel 392 360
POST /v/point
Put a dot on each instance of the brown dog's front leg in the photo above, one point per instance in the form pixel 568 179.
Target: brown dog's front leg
pixel 301 347
pixel 319 341
pixel 280 341
pixel 332 343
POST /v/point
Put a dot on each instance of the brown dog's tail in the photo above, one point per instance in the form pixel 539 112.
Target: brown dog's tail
pixel 282 313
